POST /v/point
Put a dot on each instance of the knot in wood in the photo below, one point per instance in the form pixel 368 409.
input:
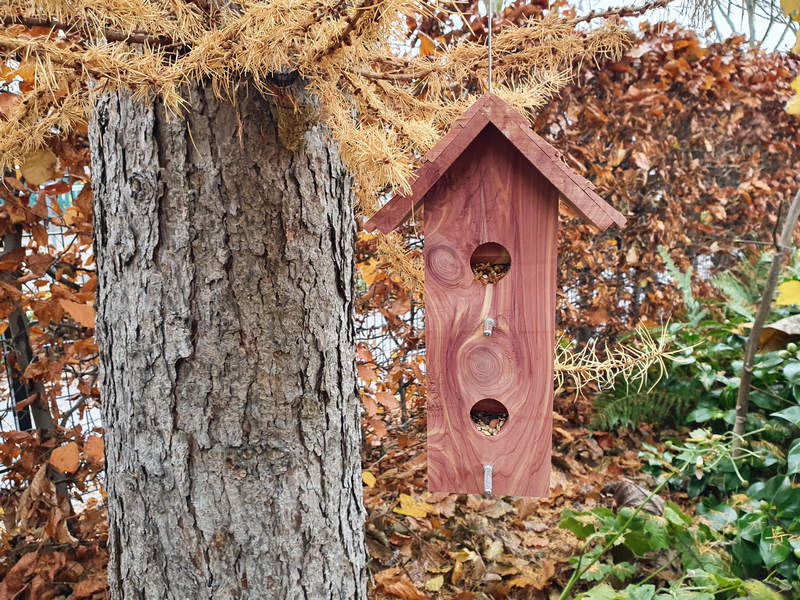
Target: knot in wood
pixel 143 188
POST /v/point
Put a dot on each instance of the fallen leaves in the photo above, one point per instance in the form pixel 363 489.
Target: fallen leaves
pixel 413 507
pixel 466 545
pixel 393 581
pixel 368 478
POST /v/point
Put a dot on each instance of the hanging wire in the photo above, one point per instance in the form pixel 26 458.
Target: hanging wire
pixel 489 4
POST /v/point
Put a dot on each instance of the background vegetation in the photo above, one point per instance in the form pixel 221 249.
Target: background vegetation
pixel 692 142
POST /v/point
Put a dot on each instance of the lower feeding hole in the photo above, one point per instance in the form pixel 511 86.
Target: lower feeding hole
pixel 489 416
pixel 490 262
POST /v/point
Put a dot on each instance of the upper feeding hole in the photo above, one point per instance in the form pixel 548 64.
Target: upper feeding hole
pixel 488 416
pixel 490 262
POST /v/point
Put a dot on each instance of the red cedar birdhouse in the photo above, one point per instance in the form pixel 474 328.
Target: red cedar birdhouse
pixel 491 189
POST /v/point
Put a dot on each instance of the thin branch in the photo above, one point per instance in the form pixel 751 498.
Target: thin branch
pixel 66 415
pixel 743 396
pixel 134 37
pixel 623 11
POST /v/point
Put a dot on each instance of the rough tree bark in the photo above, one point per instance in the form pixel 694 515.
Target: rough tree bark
pixel 224 321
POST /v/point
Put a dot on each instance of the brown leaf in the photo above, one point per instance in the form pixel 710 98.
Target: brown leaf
pixel 497 509
pixel 364 353
pixel 379 426
pixel 369 404
pixel 400 306
pixel 427 45
pixel 396 583
pixel 93 449
pixel 66 458
pixel 8 102
pixel 27 402
pixel 641 160
pixel 778 334
pixel 366 372
pixel 39 167
pixel 387 400
pixel 531 540
pixel 14 580
pixel 630 494
pixel 82 313
pixel 526 507
pixel 87 587
pixel 57 188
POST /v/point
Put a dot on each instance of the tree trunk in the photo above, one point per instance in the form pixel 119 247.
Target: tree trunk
pixel 19 341
pixel 225 269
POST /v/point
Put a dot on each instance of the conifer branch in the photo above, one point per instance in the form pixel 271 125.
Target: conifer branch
pixel 135 37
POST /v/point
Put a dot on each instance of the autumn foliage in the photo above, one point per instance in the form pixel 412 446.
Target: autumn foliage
pixel 691 143
pixel 53 539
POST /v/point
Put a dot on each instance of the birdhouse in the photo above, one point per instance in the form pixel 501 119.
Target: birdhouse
pixel 491 191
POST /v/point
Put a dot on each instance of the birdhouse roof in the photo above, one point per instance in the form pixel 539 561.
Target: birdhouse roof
pixel 490 109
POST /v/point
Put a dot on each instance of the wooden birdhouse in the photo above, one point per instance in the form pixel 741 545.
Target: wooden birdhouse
pixel 491 192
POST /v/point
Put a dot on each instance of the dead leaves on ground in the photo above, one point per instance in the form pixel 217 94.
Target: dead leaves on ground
pixel 461 546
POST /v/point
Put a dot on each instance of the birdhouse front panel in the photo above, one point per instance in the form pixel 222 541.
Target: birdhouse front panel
pixel 490 285
pixel 491 188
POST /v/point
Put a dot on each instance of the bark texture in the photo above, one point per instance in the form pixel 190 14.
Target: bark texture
pixel 224 322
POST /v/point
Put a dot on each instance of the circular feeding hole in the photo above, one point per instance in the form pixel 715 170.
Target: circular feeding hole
pixel 490 262
pixel 488 416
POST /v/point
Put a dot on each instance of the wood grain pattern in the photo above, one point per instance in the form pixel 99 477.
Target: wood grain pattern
pixel 577 191
pixel 490 194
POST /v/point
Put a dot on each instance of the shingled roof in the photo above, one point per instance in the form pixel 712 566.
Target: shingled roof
pixel 490 109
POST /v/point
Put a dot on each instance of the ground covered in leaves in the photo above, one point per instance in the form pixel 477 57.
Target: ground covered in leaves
pixel 467 546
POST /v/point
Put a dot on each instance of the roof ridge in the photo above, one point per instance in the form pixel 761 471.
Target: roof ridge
pixel 514 126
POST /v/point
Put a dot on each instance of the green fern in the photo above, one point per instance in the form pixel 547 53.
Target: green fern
pixel 657 406
pixel 740 298
pixel 683 281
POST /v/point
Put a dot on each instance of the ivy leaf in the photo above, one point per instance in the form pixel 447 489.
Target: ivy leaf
pixel 791 414
pixel 793 458
pixel 640 592
pixel 601 592
pixel 773 549
pixel 792 371
pixel 675 515
pixel 581 525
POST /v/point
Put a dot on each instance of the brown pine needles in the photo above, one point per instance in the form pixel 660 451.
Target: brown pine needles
pixel 385 108
pixel 632 361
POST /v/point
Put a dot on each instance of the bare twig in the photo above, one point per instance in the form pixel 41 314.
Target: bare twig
pixel 622 11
